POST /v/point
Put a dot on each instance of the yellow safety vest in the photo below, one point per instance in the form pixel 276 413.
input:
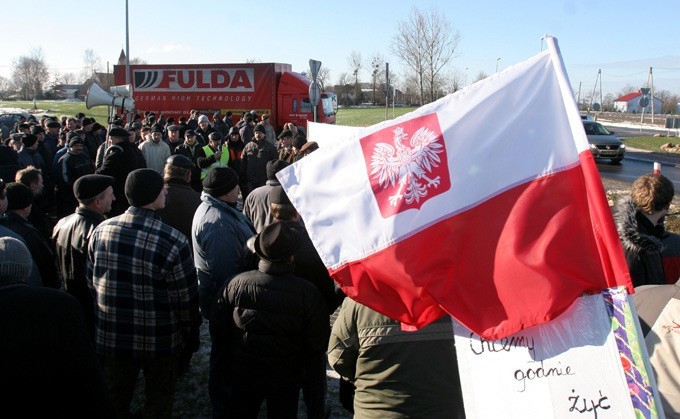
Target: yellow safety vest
pixel 222 162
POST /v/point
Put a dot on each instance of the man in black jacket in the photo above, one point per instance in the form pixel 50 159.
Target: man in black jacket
pixel 19 202
pixel 120 159
pixel 72 236
pixel 275 325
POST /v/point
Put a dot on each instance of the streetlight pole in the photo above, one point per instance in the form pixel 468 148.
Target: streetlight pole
pixel 127 45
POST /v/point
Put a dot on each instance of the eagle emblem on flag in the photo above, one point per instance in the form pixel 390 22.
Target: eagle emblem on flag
pixel 410 167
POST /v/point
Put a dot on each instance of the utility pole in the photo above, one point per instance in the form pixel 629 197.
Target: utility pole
pixel 595 106
pixel 387 88
pixel 650 83
pixel 578 99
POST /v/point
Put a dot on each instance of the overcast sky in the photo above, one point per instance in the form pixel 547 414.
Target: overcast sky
pixel 622 38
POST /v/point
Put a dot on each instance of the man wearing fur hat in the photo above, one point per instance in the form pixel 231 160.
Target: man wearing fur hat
pixel 637 219
pixel 277 327
pixel 256 154
pixel 141 274
pixel 219 234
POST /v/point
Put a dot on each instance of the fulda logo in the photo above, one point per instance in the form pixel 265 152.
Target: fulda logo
pixel 195 80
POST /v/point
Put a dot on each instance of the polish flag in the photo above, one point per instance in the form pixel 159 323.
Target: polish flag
pixel 485 204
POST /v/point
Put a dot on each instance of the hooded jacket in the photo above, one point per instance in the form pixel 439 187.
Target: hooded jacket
pixel 642 244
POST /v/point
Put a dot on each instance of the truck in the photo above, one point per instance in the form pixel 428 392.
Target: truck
pixel 175 89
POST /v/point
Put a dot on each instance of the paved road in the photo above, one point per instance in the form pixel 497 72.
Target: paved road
pixel 634 166
pixel 639 162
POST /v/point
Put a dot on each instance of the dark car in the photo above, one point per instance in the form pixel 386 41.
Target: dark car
pixel 7 122
pixel 603 143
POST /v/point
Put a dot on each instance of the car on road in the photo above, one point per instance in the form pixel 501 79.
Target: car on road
pixel 586 117
pixel 7 122
pixel 603 143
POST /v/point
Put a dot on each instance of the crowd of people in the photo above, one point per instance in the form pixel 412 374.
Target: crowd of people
pixel 118 242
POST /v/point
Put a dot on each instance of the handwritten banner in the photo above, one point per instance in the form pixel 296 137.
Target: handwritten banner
pixel 567 368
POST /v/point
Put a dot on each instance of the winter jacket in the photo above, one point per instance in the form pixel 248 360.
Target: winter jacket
pixel 253 168
pixel 71 238
pixel 275 322
pixel 180 205
pixel 397 374
pixel 119 160
pixel 641 242
pixel 219 234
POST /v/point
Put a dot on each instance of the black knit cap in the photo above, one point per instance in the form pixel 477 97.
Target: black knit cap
pixel 277 195
pixel 277 242
pixel 260 127
pixel 19 196
pixel 28 140
pixel 273 168
pixel 89 186
pixel 220 181
pixel 37 129
pixel 143 186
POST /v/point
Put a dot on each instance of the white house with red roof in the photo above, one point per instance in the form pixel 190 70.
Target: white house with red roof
pixel 630 103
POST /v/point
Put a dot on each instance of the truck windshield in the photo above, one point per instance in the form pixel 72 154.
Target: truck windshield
pixel 330 104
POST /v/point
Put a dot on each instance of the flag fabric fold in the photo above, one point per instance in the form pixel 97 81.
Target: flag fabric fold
pixel 485 204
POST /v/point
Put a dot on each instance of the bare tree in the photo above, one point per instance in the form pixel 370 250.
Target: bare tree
pixel 377 72
pixel 356 64
pixel 344 88
pixel 92 63
pixel 323 77
pixel 138 60
pixel 5 87
pixel 480 76
pixel 30 74
pixel 426 43
pixel 669 101
pixel 627 89
pixel 64 78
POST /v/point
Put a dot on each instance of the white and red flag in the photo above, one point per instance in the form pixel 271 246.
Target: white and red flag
pixel 485 204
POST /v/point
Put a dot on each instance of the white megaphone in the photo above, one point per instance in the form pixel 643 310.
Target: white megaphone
pixel 124 90
pixel 96 96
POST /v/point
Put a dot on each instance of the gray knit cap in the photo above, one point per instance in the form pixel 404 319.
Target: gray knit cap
pixel 15 260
